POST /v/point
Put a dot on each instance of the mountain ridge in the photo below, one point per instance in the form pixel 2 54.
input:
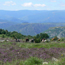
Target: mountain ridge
pixel 33 28
pixel 34 16
pixel 31 22
pixel 56 31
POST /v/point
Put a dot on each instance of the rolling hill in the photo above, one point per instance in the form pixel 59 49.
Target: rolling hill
pixel 33 28
pixel 31 22
pixel 56 31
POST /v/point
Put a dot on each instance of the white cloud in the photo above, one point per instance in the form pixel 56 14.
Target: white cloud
pixel 39 5
pixel 27 4
pixel 31 4
pixel 8 3
pixel 53 0
pixel 63 5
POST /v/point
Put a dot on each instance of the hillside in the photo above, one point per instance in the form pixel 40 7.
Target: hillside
pixel 31 22
pixel 56 31
pixel 33 28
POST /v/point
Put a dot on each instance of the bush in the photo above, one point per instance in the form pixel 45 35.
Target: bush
pixel 55 38
pixel 47 41
pixel 33 61
pixel 42 36
pixel 3 36
pixel 62 39
pixel 37 40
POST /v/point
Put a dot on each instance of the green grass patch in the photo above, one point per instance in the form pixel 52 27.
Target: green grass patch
pixel 30 61
pixel 34 61
pixel 41 45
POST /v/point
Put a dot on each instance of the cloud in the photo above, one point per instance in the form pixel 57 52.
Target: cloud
pixel 8 3
pixel 53 0
pixel 63 5
pixel 39 5
pixel 27 4
pixel 31 4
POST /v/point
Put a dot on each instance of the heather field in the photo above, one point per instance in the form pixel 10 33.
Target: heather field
pixel 48 53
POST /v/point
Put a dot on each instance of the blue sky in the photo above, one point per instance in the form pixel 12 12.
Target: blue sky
pixel 32 5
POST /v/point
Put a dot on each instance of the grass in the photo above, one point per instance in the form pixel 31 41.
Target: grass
pixel 1 36
pixel 35 60
pixel 41 45
pixel 30 61
pixel 5 43
pixel 60 62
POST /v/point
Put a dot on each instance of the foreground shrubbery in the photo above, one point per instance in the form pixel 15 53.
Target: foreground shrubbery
pixel 29 61
pixel 37 40
pixel 31 53
pixel 13 52
pixel 34 61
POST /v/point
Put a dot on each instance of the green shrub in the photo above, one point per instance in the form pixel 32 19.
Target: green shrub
pixel 3 36
pixel 33 61
pixel 37 40
pixel 62 39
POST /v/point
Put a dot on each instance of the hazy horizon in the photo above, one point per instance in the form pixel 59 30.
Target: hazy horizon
pixel 15 5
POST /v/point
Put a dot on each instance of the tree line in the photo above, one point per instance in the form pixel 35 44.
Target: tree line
pixel 15 34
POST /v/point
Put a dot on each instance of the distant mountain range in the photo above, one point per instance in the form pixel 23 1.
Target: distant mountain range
pixel 33 28
pixel 5 23
pixel 56 31
pixel 33 16
pixel 31 22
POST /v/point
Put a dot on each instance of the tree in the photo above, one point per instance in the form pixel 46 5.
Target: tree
pixel 3 32
pixel 42 36
pixel 37 35
pixel 3 36
pixel 0 31
pixel 55 38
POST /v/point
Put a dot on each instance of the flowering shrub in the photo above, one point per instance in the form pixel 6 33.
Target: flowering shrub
pixel 13 52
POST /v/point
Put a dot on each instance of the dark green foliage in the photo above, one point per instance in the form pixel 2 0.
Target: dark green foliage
pixel 42 36
pixel 55 38
pixel 37 35
pixel 2 31
pixel 33 61
pixel 37 40
pixel 29 36
pixel 3 36
pixel 13 34
pixel 62 39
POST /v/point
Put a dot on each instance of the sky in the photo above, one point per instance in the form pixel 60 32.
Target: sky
pixel 15 5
